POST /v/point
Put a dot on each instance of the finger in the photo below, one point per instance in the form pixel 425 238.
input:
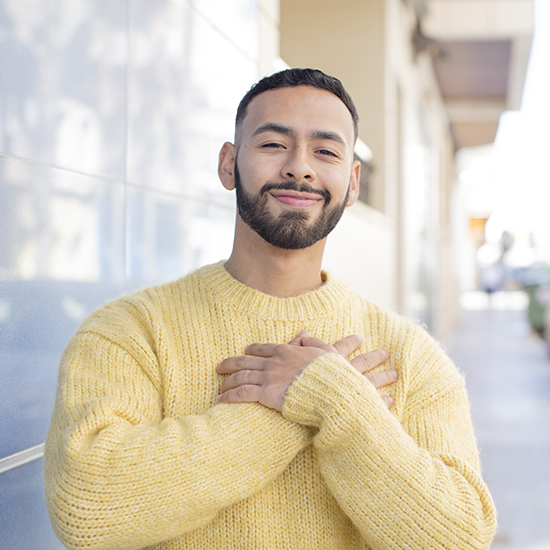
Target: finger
pixel 381 379
pixel 388 400
pixel 239 363
pixel 241 378
pixel 242 394
pixel 370 360
pixel 312 342
pixel 348 345
pixel 297 341
pixel 260 350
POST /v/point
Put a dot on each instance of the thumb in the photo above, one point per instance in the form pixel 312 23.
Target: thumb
pixel 297 340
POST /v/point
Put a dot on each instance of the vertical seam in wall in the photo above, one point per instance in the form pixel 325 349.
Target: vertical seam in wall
pixel 126 147
pixel 221 31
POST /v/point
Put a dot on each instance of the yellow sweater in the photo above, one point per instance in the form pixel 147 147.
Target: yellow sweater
pixel 139 453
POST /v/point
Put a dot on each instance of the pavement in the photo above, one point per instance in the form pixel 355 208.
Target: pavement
pixel 507 368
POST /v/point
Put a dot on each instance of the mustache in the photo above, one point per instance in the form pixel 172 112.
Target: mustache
pixel 293 186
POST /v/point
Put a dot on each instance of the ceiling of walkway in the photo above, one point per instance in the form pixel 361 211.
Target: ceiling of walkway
pixel 480 56
pixel 473 77
pixel 474 69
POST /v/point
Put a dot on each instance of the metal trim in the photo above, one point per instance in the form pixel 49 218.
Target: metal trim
pixel 23 457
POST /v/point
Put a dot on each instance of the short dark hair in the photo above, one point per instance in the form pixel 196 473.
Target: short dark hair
pixel 291 78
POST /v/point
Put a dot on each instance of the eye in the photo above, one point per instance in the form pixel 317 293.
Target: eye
pixel 272 144
pixel 326 152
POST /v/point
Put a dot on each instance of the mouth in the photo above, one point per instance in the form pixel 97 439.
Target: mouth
pixel 295 199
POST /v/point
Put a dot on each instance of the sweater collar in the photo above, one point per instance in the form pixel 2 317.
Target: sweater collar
pixel 226 290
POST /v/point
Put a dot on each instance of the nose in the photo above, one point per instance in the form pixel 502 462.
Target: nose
pixel 298 166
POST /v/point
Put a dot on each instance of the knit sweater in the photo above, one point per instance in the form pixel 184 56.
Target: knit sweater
pixel 140 454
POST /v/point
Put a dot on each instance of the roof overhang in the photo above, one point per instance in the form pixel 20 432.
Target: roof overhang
pixel 483 49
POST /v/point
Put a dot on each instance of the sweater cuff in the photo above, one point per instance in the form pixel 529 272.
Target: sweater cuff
pixel 329 390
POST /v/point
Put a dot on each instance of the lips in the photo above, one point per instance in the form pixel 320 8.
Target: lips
pixel 295 199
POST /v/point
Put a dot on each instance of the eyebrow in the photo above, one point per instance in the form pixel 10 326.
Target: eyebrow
pixel 320 134
pixel 273 127
pixel 285 130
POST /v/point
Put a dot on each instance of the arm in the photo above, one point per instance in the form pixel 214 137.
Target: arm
pixel 415 484
pixel 120 475
pixel 410 484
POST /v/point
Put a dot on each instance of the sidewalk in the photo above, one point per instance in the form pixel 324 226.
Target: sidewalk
pixel 507 370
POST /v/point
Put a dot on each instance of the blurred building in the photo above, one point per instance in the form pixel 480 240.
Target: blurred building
pixel 111 118
pixel 428 78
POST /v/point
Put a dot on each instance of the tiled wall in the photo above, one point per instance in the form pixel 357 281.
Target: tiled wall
pixel 112 113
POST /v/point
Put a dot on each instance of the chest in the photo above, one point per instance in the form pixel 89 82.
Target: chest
pixel 190 348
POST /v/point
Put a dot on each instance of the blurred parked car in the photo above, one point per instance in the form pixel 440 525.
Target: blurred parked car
pixel 536 282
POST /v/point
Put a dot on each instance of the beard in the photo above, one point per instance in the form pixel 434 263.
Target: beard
pixel 292 229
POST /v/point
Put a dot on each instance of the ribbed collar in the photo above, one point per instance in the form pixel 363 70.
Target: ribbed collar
pixel 226 290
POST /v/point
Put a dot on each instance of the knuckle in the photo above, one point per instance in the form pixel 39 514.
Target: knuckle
pixel 369 360
pixel 240 377
pixel 242 392
pixel 375 358
pixel 280 350
pixel 365 361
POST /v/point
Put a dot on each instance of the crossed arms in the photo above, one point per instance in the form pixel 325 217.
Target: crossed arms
pixel 117 461
pixel 266 371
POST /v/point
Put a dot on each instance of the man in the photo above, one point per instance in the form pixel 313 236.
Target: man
pixel 250 405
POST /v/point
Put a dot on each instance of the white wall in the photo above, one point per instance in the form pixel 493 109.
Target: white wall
pixel 112 114
pixel 360 252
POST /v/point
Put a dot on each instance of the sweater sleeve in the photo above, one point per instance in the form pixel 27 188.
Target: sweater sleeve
pixel 409 484
pixel 120 475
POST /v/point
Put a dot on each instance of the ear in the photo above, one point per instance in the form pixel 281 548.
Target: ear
pixel 354 182
pixel 226 165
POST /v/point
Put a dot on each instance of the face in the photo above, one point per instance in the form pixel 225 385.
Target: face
pixel 292 229
pixel 292 166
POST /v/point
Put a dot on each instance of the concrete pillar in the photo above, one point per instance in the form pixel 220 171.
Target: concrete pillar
pixel 346 39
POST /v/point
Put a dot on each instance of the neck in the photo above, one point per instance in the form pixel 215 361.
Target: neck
pixel 272 270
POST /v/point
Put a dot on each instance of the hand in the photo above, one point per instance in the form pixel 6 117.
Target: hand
pixel 266 371
pixel 364 362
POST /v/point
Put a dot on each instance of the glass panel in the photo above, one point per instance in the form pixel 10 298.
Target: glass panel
pixel 61 256
pixel 185 82
pixel 24 523
pixel 170 236
pixel 63 83
pixel 237 20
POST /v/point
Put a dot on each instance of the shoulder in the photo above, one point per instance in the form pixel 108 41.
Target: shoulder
pixel 383 326
pixel 412 349
pixel 140 314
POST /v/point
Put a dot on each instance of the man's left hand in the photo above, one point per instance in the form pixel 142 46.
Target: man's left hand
pixel 266 371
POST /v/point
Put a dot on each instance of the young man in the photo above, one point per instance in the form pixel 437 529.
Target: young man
pixel 249 405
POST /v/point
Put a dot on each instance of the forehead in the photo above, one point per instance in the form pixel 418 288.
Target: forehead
pixel 304 109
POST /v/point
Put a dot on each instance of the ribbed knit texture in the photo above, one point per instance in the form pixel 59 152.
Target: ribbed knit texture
pixel 140 454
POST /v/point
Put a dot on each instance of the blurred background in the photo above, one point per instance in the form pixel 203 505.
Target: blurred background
pixel 112 114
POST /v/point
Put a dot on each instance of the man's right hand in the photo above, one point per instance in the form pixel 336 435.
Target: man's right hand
pixel 364 362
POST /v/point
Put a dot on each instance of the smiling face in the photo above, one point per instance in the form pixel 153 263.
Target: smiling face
pixel 292 165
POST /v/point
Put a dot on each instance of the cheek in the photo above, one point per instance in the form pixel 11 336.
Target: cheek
pixel 261 171
pixel 337 182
